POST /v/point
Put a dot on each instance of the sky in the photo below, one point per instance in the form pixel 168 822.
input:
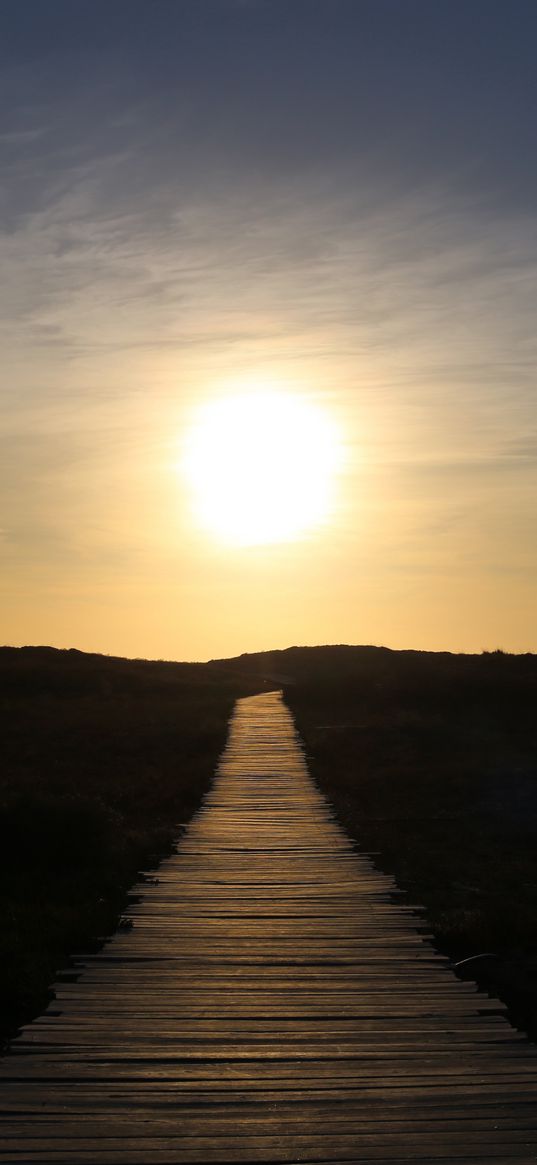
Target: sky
pixel 333 201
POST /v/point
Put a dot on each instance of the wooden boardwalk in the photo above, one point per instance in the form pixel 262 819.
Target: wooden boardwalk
pixel 272 1002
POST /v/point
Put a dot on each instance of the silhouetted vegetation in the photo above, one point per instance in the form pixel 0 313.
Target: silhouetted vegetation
pixel 101 759
pixel 429 759
pixel 431 763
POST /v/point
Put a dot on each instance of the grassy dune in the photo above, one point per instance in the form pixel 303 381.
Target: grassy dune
pixel 101 759
pixel 431 763
pixel 429 759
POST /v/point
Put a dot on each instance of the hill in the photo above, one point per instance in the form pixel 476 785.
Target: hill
pixel 429 758
pixel 431 762
pixel 102 758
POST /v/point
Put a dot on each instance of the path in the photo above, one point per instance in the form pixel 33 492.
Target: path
pixel 271 1003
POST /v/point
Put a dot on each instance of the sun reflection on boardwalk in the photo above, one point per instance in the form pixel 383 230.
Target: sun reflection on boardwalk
pixel 270 1003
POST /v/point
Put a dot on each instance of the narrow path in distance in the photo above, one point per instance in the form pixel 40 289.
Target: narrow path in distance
pixel 272 1002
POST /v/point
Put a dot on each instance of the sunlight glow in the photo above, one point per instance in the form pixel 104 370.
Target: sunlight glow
pixel 261 466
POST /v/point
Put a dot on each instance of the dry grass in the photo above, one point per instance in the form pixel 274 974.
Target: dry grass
pixel 101 759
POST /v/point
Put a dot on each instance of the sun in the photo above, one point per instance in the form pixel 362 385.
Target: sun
pixel 261 466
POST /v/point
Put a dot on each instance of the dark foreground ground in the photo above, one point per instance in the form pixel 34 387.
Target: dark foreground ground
pixel 431 763
pixel 101 758
pixel 429 759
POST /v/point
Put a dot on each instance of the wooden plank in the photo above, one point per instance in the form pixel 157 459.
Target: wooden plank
pixel 272 1001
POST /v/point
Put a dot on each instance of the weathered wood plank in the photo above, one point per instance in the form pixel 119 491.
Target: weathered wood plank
pixel 273 1001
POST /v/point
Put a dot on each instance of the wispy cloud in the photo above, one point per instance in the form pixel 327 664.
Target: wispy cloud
pixel 156 239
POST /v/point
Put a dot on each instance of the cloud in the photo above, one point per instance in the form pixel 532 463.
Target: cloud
pixel 136 273
pixel 425 304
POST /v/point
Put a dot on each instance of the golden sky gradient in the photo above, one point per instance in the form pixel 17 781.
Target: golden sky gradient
pixel 401 304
